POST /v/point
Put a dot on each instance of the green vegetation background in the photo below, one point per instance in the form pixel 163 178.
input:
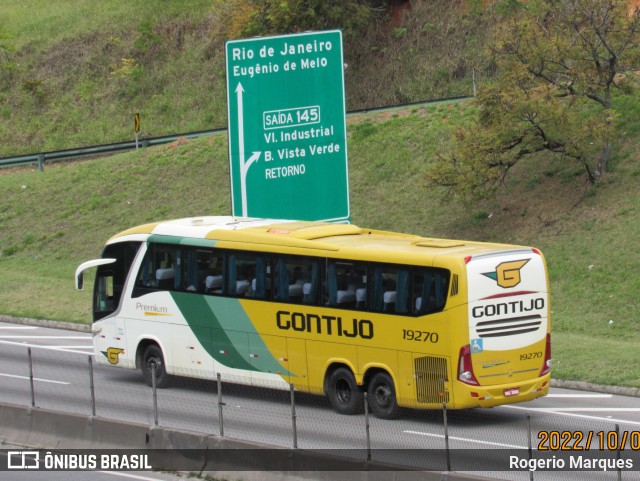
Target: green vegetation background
pixel 66 85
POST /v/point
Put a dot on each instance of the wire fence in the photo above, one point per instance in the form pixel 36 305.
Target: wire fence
pixel 484 441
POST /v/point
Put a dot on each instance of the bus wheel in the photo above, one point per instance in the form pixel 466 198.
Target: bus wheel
pixel 343 392
pixel 153 355
pixel 381 395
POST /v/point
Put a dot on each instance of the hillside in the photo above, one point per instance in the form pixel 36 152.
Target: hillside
pixel 74 72
pixel 53 221
pixel 78 70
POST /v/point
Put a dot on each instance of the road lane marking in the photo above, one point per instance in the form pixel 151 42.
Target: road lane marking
pixel 468 440
pixel 132 476
pixel 569 414
pixel 595 410
pixel 45 337
pixel 18 327
pixel 50 348
pixel 595 396
pixel 35 378
pixel 71 347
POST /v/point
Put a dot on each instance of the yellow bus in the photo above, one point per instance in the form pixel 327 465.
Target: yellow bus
pixel 333 309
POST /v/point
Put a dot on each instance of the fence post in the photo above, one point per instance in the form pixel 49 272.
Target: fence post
pixel 529 446
pixel 40 162
pixel 618 451
pixel 446 435
pixel 293 416
pixel 155 393
pixel 33 392
pixel 220 404
pixel 366 425
pixel 92 386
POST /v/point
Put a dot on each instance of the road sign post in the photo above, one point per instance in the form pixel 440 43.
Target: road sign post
pixel 136 127
pixel 287 127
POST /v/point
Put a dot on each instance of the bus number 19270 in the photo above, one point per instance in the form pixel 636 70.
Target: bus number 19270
pixel 420 336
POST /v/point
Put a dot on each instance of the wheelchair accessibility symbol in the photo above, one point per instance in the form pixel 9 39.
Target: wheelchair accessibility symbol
pixel 476 346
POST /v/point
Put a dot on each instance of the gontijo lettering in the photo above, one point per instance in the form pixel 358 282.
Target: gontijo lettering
pixel 331 325
pixel 503 308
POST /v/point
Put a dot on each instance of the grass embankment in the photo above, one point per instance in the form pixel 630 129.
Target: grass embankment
pixel 74 72
pixel 53 221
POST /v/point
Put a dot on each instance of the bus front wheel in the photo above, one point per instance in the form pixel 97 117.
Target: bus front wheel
pixel 381 394
pixel 343 392
pixel 153 356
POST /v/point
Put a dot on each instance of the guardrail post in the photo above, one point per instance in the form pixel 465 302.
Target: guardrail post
pixel 293 416
pixel 155 393
pixel 366 425
pixel 92 386
pixel 446 435
pixel 33 392
pixel 40 162
pixel 220 404
pixel 473 75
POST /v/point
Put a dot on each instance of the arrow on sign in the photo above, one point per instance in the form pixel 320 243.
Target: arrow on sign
pixel 244 164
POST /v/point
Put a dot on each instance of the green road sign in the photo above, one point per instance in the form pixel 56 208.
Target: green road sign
pixel 287 129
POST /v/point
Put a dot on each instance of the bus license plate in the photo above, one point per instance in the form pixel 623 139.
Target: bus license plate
pixel 514 391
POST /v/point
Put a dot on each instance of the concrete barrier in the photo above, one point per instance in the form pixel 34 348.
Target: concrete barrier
pixel 53 430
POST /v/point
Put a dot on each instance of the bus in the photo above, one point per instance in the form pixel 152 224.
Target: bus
pixel 332 309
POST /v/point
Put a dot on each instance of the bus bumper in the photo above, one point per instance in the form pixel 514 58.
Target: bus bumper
pixel 516 392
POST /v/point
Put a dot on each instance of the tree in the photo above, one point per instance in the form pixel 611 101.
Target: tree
pixel 558 63
pixel 247 18
pixel 7 66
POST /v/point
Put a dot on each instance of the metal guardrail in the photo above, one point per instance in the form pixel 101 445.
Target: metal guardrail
pixel 97 150
pixel 109 149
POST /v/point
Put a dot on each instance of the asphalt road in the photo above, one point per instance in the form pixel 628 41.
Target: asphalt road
pixel 61 382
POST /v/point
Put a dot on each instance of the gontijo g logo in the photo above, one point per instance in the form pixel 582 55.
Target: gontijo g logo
pixel 113 354
pixel 507 274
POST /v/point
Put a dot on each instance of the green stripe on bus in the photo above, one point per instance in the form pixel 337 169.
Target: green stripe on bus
pixel 183 241
pixel 223 327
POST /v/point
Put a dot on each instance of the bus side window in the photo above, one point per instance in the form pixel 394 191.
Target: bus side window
pixel 160 270
pixel 110 278
pixel 429 290
pixel 242 272
pixel 214 274
pixel 346 284
pixel 104 301
pixel 311 282
pixel 297 279
pixel 261 278
pixel 195 269
pixel 390 289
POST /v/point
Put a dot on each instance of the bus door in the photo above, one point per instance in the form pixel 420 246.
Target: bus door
pixel 268 355
pixel 231 349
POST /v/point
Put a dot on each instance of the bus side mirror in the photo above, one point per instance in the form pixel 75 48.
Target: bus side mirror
pixel 86 265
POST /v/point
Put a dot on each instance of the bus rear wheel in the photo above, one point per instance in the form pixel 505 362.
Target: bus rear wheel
pixel 343 392
pixel 153 356
pixel 381 394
